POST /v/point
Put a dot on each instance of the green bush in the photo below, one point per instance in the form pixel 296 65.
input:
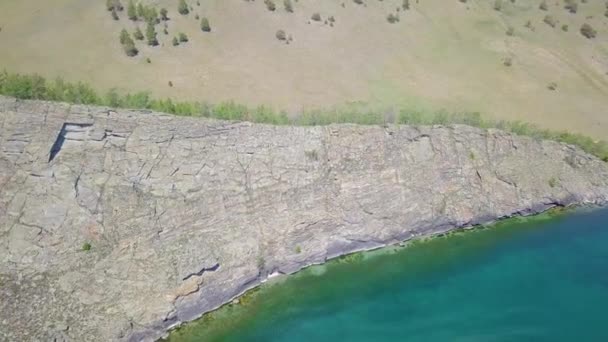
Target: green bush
pixel 36 87
pixel 497 5
pixel 205 27
pixel 164 14
pixel 131 11
pixel 270 5
pixel 588 31
pixel 183 38
pixel 182 7
pixel 151 35
pixel 138 34
pixel 86 246
pixel 281 35
pixel 124 36
pixel 175 41
pixel 549 20
pixel 288 6
pixel 316 17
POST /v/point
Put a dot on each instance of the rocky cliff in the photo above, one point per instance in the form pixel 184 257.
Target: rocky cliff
pixel 183 214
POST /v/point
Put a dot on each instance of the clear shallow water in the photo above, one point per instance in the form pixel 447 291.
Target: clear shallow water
pixel 542 279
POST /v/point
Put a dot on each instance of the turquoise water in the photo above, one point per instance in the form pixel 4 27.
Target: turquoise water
pixel 544 279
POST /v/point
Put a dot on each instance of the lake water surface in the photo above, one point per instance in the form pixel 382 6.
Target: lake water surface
pixel 540 279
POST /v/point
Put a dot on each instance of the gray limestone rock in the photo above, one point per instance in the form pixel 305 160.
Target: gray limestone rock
pixel 184 214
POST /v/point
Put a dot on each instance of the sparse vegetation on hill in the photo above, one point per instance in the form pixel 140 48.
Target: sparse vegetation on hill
pixel 38 88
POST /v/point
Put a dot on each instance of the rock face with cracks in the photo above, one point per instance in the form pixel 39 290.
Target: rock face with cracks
pixel 184 214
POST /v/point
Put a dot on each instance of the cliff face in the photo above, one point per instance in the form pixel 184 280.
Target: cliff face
pixel 183 214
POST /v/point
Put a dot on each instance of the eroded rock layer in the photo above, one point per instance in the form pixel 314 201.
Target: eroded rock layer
pixel 183 214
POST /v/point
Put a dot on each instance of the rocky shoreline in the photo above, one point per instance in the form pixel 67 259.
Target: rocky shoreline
pixel 182 215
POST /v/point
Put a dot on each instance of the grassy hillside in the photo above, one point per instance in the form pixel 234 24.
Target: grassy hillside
pixel 441 54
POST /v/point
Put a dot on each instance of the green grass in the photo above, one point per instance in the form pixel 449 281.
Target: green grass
pixel 35 87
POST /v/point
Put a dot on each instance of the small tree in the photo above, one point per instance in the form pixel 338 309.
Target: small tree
pixel 392 18
pixel 129 47
pixel 183 38
pixel 141 11
pixel 131 11
pixel 571 6
pixel 588 31
pixel 497 5
pixel 205 25
pixel 151 35
pixel 270 5
pixel 182 7
pixel 115 15
pixel 281 35
pixel 288 6
pixel 124 36
pixel 138 34
pixel 549 20
pixel 163 14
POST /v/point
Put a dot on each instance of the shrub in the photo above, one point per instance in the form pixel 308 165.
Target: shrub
pixel 151 35
pixel 507 62
pixel 115 15
pixel 358 2
pixel 183 38
pixel 164 14
pixel 175 41
pixel 148 60
pixel 316 17
pixel 549 20
pixel 86 246
pixel 288 6
pixel 497 5
pixel 281 35
pixel 270 5
pixel 571 6
pixel 130 48
pixel 543 5
pixel 510 31
pixel 552 182
pixel 131 11
pixel 205 25
pixel 565 28
pixel 110 5
pixel 552 86
pixel 588 31
pixel 406 5
pixel 182 7
pixel 124 36
pixel 392 18
pixel 138 34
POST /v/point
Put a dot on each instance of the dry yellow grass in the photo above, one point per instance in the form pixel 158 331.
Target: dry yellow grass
pixel 443 54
